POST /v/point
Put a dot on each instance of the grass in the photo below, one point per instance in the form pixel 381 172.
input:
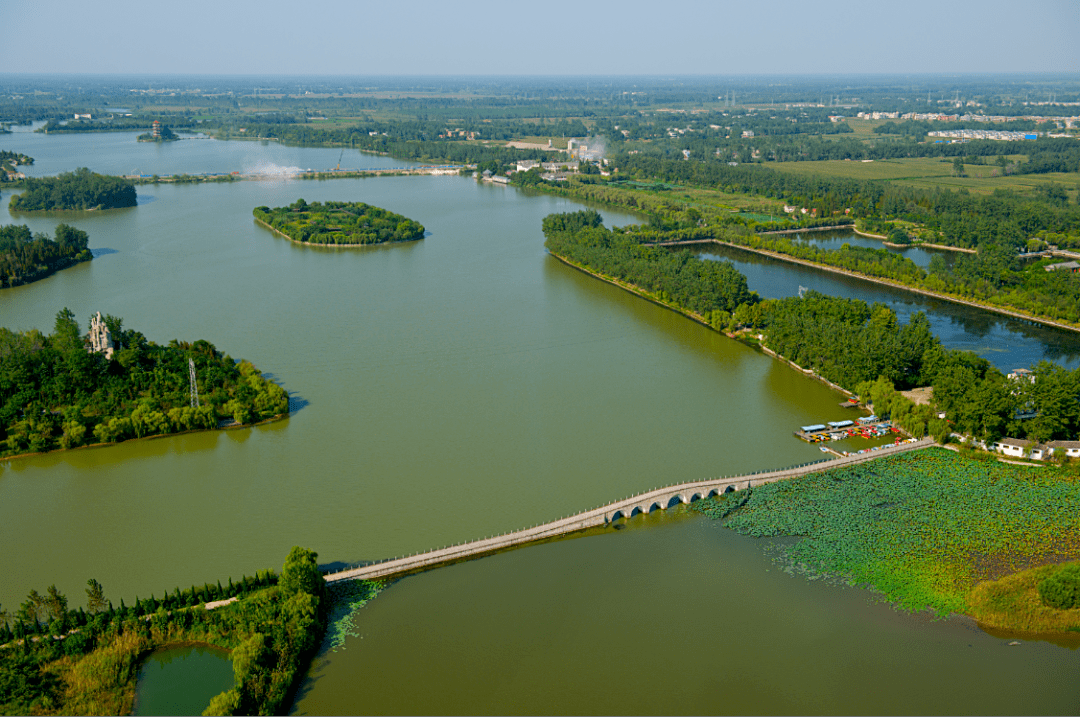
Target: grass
pixel 1012 603
pixel 878 169
pixel 931 172
pixel 1025 183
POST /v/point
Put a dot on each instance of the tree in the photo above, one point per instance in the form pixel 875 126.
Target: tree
pixel 55 603
pixel 301 573
pixel 899 236
pixel 958 167
pixel 66 336
pixel 71 238
pixel 95 596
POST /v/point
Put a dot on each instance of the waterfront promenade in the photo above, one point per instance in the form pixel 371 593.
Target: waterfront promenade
pixel 656 499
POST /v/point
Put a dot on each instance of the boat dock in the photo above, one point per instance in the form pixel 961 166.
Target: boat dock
pixel 866 427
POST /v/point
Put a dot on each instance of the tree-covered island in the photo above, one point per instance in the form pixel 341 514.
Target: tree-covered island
pixel 69 389
pixel 26 257
pixel 339 223
pixel 81 189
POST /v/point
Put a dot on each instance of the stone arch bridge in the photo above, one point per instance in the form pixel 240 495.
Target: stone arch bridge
pixel 657 499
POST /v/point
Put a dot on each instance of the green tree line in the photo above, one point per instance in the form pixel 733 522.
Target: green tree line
pixel 707 289
pixel 56 660
pixel 81 189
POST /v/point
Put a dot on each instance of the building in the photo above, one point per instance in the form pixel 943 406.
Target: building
pixel 1021 373
pixel 1021 448
pixel 1070 266
pixel 155 130
pixel 1069 448
pixel 1015 447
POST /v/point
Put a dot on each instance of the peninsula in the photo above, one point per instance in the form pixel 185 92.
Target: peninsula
pixel 338 223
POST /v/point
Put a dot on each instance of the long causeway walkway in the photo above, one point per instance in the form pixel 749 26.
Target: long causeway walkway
pixel 660 498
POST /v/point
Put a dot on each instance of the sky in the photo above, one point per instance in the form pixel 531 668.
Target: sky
pixel 629 37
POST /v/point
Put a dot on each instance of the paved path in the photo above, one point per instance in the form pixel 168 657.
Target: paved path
pixel 659 498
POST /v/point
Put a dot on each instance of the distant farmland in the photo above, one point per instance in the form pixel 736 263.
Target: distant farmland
pixel 929 172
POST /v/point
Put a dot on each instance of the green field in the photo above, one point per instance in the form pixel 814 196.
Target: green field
pixel 930 172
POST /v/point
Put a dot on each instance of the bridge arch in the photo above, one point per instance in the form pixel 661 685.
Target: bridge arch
pixel 674 500
pixel 656 505
pixel 616 516
pixel 637 509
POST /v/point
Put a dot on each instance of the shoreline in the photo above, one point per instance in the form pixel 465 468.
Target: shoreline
pixel 51 270
pixel 330 246
pixel 638 291
pixel 830 228
pixel 884 282
pixel 225 427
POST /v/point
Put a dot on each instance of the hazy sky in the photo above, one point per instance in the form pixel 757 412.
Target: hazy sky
pixel 553 37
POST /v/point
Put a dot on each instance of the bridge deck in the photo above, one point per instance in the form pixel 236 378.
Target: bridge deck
pixel 644 503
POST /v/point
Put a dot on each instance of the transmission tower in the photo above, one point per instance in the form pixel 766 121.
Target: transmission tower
pixel 194 387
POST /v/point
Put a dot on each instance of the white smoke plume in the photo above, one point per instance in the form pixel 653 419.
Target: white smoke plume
pixel 272 171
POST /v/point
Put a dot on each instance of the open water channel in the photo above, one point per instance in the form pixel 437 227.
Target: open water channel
pixel 448 389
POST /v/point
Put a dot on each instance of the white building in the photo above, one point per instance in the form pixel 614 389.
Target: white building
pixel 1069 448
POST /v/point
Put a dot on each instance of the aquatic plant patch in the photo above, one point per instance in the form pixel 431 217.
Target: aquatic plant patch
pixel 346 598
pixel 923 528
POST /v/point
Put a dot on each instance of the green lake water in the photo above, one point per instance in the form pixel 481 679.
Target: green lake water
pixel 182 680
pixel 448 389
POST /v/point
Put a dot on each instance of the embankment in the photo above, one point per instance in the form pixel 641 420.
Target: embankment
pixel 884 282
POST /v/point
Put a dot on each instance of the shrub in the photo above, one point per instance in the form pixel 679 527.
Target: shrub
pixel 1061 589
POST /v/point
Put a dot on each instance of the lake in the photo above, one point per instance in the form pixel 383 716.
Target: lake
pixel 447 389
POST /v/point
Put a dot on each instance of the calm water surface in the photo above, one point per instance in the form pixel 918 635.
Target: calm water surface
pixel 833 240
pixel 674 615
pixel 182 680
pixel 448 389
pixel 1006 342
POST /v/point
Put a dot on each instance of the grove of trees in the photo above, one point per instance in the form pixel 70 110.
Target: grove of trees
pixel 339 223
pixel 26 257
pixel 54 393
pixel 81 189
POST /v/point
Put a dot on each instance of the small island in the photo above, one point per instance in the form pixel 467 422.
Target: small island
pixel 81 189
pixel 338 223
pixel 159 133
pixel 70 389
pixel 26 257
